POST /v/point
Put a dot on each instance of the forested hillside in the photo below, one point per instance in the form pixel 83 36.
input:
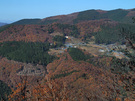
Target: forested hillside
pixel 106 32
pixel 5 90
pixel 35 53
pixel 83 56
pixel 121 15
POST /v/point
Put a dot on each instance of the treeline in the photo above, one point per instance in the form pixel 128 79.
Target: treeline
pixel 66 29
pixel 34 22
pixel 110 35
pixel 4 91
pixel 73 30
pixel 58 38
pixel 116 15
pixel 128 31
pixel 58 41
pixel 63 74
pixel 2 28
pixel 120 65
pixel 29 52
pixel 27 21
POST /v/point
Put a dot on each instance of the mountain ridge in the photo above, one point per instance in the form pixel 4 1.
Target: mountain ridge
pixel 2 24
pixel 122 15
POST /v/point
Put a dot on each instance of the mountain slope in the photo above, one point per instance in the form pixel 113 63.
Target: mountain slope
pixel 82 25
pixel 120 15
pixel 88 81
pixel 49 20
pixel 116 15
pixel 24 33
pixel 2 24
pixel 102 30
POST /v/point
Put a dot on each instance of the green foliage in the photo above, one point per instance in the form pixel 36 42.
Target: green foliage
pixel 4 91
pixel 127 19
pixel 77 54
pixel 116 15
pixel 113 34
pixel 120 66
pixel 26 52
pixel 49 21
pixel 4 28
pixel 27 21
pixel 128 31
pixel 63 75
pixel 64 26
pixel 50 30
pixel 123 66
pixel 59 41
pixel 84 75
pixel 87 15
pixel 57 45
pixel 58 38
pixel 133 9
pixel 107 36
pixel 34 21
pixel 74 30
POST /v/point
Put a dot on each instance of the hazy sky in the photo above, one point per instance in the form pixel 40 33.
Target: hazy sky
pixel 13 10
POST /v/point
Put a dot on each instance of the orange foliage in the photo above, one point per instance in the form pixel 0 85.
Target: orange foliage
pixel 86 28
pixel 50 91
pixel 19 94
pixel 28 33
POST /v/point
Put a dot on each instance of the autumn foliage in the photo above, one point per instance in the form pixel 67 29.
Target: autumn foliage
pixel 69 80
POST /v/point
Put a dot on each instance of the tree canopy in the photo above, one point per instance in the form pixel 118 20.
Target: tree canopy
pixel 30 52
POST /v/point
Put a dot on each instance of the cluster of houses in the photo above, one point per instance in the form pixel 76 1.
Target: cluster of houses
pixel 114 49
pixel 70 44
pixel 111 49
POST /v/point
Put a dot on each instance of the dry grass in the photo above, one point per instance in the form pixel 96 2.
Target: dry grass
pixel 93 49
pixel 55 52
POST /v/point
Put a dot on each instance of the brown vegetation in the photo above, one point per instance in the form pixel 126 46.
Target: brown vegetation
pixel 87 28
pixel 27 33
pixel 68 80
pixel 66 19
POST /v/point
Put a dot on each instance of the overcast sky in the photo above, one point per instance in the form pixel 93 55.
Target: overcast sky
pixel 13 10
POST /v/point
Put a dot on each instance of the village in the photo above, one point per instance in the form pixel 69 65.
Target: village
pixel 91 47
pixel 71 42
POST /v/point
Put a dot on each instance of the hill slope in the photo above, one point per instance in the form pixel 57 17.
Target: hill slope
pixel 82 25
pixel 2 24
pixel 76 74
pixel 120 15
pixel 24 33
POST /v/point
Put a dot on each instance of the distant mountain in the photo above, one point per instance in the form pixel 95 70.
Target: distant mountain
pixel 27 33
pixel 2 24
pixel 120 15
pixel 49 20
pixel 27 21
pixel 82 25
